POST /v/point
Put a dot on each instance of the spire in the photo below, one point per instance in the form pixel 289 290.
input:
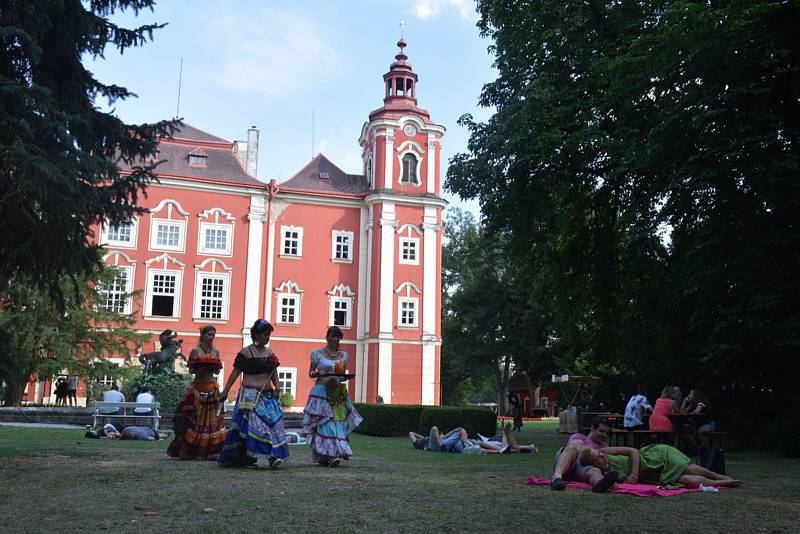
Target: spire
pixel 400 81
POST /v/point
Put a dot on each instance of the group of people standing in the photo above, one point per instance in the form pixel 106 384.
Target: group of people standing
pixel 256 430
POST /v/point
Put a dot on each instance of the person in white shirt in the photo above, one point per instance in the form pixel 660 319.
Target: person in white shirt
pixel 144 396
pixel 113 395
pixel 636 409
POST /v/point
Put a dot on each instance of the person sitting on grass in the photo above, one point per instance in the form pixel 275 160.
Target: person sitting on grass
pixel 654 464
pixel 455 441
pixel 567 465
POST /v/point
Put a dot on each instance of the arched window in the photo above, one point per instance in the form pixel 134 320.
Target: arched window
pixel 409 169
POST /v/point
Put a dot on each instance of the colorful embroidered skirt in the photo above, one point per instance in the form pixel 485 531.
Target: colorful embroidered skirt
pixel 328 419
pixel 199 430
pixel 255 432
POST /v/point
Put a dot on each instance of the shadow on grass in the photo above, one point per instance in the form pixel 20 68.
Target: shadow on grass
pixel 53 478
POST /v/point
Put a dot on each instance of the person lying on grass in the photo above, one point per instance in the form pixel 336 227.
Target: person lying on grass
pixel 654 464
pixel 457 441
pixel 508 439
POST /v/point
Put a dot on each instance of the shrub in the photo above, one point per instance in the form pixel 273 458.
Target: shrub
pixel 287 400
pixel 398 420
pixel 166 388
pixel 474 420
pixel 388 419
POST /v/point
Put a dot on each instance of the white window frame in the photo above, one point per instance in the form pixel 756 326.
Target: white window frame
pixel 176 307
pixel 105 239
pixel 415 305
pixel 126 309
pixel 418 173
pixel 292 381
pixel 412 241
pixel 284 238
pixel 279 309
pixel 201 239
pixel 348 312
pixel 350 240
pixel 198 296
pixel 155 223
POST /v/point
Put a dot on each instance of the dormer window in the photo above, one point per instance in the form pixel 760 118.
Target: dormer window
pixel 197 158
pixel 324 175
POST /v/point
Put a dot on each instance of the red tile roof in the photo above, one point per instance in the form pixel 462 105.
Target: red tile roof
pixel 337 181
pixel 221 163
pixel 186 131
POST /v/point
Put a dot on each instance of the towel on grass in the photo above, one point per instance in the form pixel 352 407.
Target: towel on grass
pixel 642 490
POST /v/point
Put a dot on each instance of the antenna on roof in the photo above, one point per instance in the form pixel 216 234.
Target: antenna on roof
pixel 312 132
pixel 180 79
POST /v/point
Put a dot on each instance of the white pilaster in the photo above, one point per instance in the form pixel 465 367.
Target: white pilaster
pixel 388 174
pixel 430 228
pixel 388 223
pixel 385 370
pixel 431 159
pixel 428 373
pixel 256 218
pixel 363 312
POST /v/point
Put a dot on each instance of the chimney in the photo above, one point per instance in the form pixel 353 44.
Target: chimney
pixel 252 151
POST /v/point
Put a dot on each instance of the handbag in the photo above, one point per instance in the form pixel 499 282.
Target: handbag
pixel 712 459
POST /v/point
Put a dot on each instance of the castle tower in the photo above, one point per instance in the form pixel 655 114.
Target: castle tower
pixel 400 317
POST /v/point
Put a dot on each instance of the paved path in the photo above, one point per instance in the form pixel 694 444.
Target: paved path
pixel 41 425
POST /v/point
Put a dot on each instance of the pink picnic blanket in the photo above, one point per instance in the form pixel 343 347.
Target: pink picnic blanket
pixel 642 490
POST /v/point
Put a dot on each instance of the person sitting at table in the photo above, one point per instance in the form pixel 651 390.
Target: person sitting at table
pixel 654 464
pixel 666 405
pixel 636 409
pixel 697 403
pixel 567 465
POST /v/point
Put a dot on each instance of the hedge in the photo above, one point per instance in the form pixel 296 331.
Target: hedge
pixel 399 419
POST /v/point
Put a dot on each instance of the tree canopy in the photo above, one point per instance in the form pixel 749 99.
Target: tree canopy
pixel 643 159
pixel 490 327
pixel 40 340
pixel 58 150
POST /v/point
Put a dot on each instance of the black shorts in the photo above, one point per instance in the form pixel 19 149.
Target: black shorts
pixel 72 393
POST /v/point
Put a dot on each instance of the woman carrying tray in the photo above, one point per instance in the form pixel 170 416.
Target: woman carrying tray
pixel 329 416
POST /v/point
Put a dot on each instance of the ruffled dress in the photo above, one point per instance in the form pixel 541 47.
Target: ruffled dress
pixel 256 429
pixel 329 416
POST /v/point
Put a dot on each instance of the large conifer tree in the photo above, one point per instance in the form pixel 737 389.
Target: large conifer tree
pixel 58 150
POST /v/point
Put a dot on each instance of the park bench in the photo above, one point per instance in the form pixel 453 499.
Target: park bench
pixel 100 409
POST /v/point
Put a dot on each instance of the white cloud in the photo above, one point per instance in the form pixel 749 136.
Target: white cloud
pixel 272 52
pixel 431 9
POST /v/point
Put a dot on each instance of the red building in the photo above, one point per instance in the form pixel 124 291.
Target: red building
pixel 363 252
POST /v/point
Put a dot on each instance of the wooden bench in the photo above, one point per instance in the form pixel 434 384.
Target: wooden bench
pixel 640 438
pixel 125 411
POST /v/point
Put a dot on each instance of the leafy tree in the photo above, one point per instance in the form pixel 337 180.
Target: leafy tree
pixel 58 150
pixel 490 327
pixel 643 161
pixel 39 339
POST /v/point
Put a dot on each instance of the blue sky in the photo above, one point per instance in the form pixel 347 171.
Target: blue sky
pixel 269 63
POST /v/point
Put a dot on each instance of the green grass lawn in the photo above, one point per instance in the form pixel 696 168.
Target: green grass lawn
pixel 58 481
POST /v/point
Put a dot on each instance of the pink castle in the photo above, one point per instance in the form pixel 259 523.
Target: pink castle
pixel 323 248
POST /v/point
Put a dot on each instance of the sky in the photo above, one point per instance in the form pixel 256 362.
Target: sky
pixel 275 64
